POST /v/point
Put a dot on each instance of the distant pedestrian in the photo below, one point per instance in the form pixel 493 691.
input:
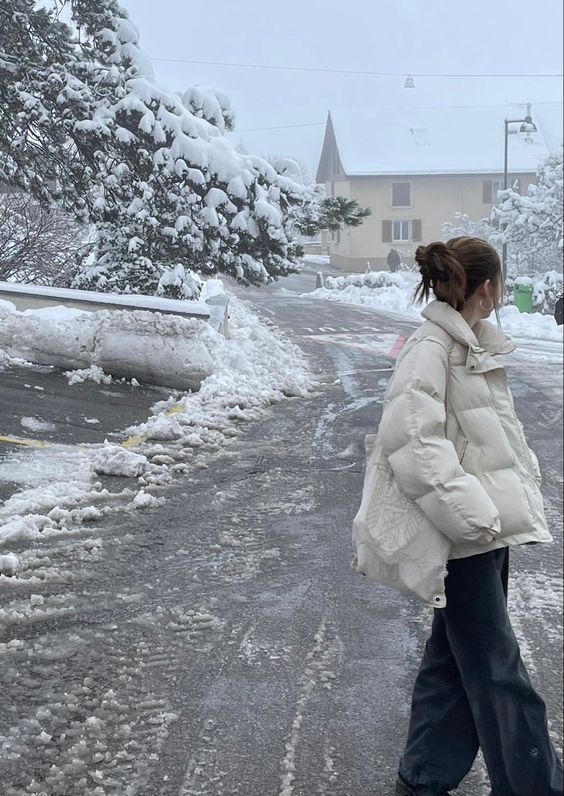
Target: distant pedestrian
pixel 559 311
pixel 393 261
pixel 455 451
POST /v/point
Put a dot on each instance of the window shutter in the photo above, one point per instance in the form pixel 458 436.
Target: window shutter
pixel 401 194
pixel 487 192
pixel 416 230
pixel 386 231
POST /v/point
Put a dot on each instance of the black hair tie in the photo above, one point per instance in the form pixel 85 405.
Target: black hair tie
pixel 440 273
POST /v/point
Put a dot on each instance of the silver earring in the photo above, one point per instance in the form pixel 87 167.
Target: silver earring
pixel 486 309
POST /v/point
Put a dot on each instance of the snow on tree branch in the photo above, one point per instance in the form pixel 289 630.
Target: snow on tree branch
pixel 85 125
pixel 533 224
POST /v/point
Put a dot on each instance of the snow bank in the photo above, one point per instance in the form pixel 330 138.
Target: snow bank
pixel 378 289
pixel 158 349
pixel 534 325
pixel 394 293
pixel 257 366
pixel 61 487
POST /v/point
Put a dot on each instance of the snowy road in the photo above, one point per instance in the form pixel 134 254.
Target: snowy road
pixel 39 408
pixel 219 644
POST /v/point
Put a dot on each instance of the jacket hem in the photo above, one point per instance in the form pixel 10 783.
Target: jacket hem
pixel 466 550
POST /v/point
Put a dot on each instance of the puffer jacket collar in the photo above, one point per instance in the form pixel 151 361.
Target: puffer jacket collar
pixel 482 341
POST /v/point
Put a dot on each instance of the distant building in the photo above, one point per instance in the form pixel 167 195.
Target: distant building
pixel 417 168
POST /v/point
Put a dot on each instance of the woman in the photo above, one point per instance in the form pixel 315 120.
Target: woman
pixel 455 447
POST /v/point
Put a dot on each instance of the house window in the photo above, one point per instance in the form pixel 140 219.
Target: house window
pixel 490 189
pixel 401 231
pixel 401 194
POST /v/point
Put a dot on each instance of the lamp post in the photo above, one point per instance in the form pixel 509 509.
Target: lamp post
pixel 527 126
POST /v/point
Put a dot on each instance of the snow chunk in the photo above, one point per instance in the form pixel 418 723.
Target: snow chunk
pixel 9 564
pixel 117 460
pixel 93 373
pixel 37 424
pixel 143 500
pixel 163 428
pixel 7 307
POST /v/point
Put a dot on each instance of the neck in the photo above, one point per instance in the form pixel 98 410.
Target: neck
pixel 471 316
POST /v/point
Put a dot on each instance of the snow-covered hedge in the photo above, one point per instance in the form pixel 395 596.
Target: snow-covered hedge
pixel 372 279
pixel 379 289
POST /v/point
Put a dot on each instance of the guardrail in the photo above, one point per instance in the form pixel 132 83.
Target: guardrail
pixel 162 357
pixel 215 310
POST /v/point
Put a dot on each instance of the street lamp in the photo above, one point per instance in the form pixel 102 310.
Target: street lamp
pixel 527 127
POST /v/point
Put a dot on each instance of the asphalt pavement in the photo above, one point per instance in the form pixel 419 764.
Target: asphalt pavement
pixel 219 644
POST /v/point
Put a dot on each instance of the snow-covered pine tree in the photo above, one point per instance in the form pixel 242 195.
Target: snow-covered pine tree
pixel 317 211
pixel 167 192
pixel 533 224
pixel 175 194
pixel 209 104
pixel 338 212
pixel 40 92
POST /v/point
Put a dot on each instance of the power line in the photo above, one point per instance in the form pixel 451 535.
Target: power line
pixel 419 108
pixel 346 71
pixel 282 127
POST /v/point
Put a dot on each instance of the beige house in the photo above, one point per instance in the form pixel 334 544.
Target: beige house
pixel 415 170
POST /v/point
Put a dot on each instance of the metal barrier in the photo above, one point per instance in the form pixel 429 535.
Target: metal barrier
pixel 29 297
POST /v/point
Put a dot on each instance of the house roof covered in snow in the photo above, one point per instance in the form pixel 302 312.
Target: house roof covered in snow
pixel 436 141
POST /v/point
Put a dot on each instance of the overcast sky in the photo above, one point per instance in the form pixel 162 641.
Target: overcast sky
pixel 405 36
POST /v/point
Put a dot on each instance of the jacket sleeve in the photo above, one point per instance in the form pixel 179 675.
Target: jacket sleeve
pixel 424 461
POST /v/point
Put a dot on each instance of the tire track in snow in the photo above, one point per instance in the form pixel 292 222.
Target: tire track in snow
pixel 324 652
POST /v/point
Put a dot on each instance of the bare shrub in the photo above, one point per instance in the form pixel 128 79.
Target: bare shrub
pixel 38 244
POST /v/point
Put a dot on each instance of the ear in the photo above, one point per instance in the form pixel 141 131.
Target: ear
pixel 485 289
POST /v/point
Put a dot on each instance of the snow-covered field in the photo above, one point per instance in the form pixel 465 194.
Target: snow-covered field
pixel 60 488
pixel 393 293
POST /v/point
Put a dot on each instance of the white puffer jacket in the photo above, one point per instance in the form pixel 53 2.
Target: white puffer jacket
pixel 452 438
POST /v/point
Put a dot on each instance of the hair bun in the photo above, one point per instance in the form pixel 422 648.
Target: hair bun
pixel 431 263
pixel 439 271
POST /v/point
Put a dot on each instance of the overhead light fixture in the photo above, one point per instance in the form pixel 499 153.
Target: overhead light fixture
pixel 409 82
pixel 528 128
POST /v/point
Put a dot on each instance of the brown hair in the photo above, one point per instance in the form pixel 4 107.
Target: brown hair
pixel 455 270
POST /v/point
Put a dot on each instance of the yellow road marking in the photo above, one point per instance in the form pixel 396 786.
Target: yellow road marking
pixel 28 443
pixel 174 410
pixel 131 442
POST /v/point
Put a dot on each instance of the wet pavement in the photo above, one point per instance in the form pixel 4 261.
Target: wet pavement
pixel 219 643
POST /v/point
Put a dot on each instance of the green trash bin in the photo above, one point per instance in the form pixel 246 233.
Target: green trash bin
pixel 523 297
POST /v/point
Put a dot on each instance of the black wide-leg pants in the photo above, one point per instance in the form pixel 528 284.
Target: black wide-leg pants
pixel 472 691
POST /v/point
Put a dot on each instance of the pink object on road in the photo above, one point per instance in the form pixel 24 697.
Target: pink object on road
pixel 397 346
